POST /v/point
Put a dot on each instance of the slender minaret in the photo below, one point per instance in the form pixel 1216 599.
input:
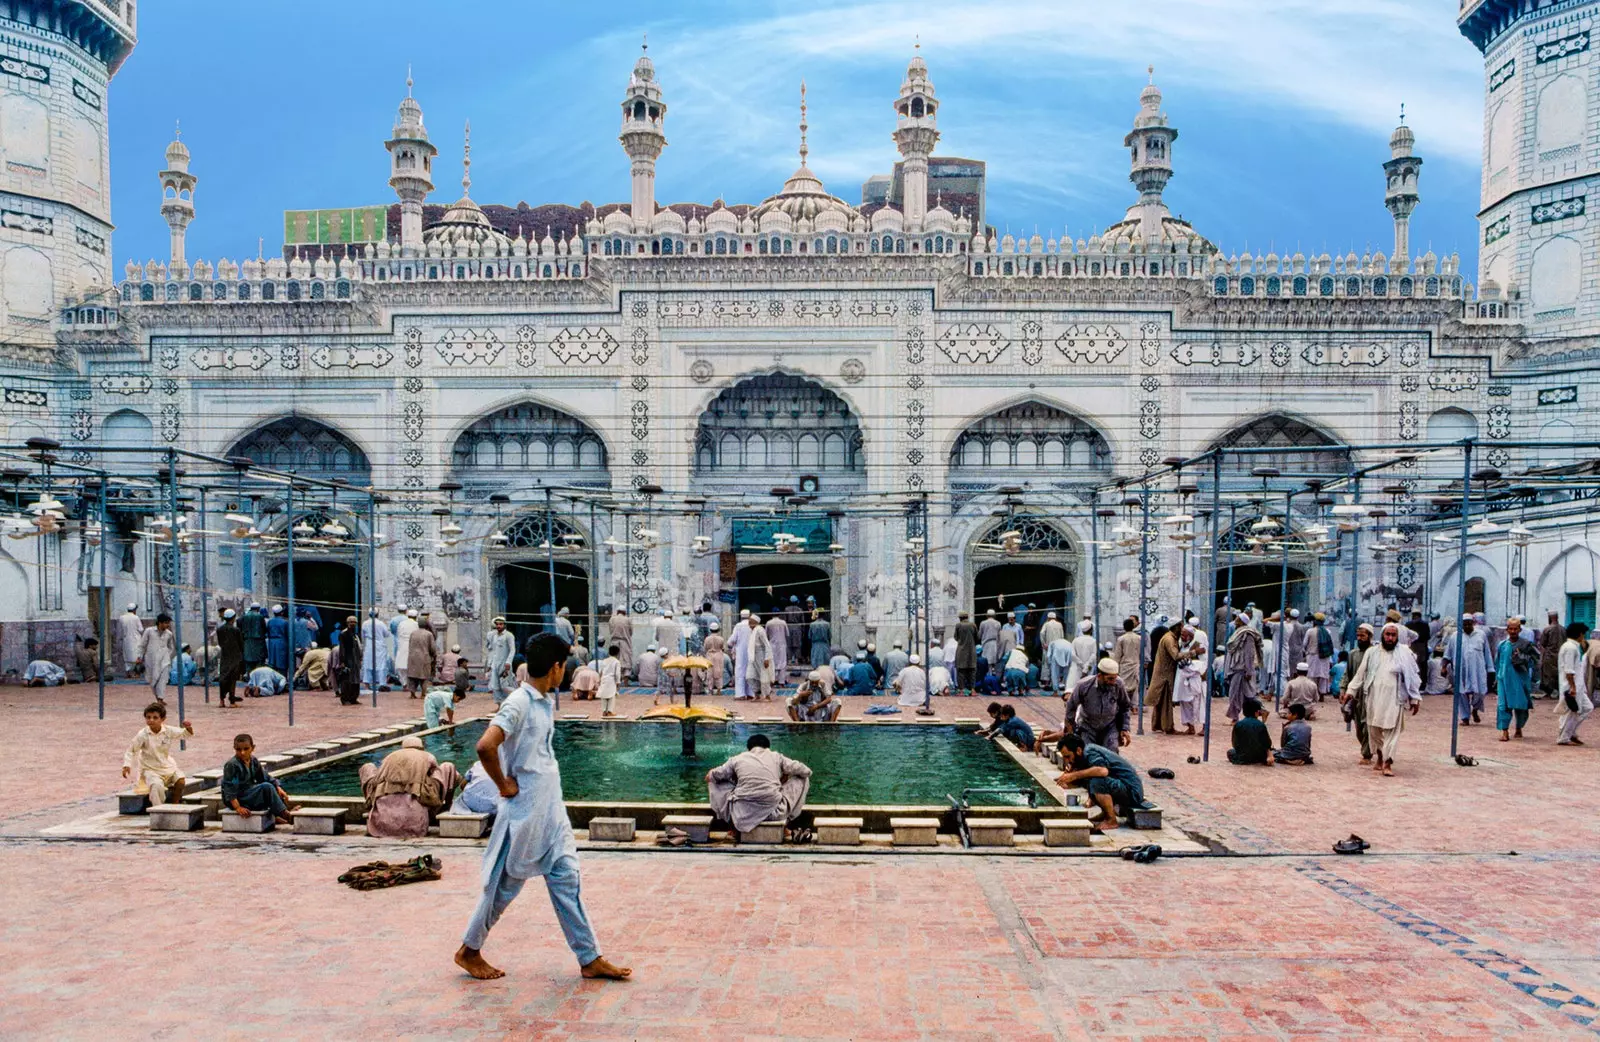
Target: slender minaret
pixel 410 168
pixel 916 132
pixel 642 138
pixel 177 196
pixel 1400 196
pixel 1150 143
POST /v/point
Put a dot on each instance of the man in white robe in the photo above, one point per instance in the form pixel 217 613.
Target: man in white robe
pixel 1189 691
pixel 499 648
pixel 1051 631
pixel 1085 653
pixel 402 646
pixel 778 639
pixel 739 640
pixel 1472 665
pixel 758 662
pixel 130 637
pixel 758 786
pixel 989 640
pixel 669 635
pixel 1389 681
pixel 622 637
pixel 564 627
pixel 377 654
pixel 650 670
pixel 1572 671
pixel 157 648
pixel 912 683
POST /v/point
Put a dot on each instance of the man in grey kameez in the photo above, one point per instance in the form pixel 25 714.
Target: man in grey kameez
pixel 622 637
pixel 989 638
pixel 531 835
pixel 1473 667
pixel 758 786
pixel 1240 666
pixel 498 650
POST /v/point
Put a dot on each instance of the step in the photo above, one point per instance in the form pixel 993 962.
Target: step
pixel 838 832
pixel 915 832
pixel 464 825
pixel 130 802
pixel 1147 817
pixel 612 830
pixel 319 821
pixel 258 821
pixel 204 780
pixel 992 832
pixel 766 832
pixel 176 817
pixel 698 826
pixel 275 762
pixel 1066 832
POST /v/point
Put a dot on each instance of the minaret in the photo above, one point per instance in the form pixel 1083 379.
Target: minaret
pixel 1401 196
pixel 642 137
pixel 410 168
pixel 916 132
pixel 177 196
pixel 1150 142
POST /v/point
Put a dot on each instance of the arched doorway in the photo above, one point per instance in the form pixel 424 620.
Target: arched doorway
pixel 1257 568
pixel 326 587
pixel 767 587
pixel 1263 584
pixel 780 429
pixel 521 576
pixel 1041 572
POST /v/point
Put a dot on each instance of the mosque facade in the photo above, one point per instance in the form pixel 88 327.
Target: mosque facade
pixel 883 405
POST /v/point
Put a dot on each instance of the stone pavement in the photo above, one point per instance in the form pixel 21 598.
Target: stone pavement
pixel 1457 939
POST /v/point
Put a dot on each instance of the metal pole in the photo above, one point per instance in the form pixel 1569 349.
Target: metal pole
pixel 1094 559
pixel 105 605
pixel 371 653
pixel 1227 625
pixel 1355 560
pixel 594 588
pixel 1144 588
pixel 627 566
pixel 177 576
pixel 289 573
pixel 1461 594
pixel 205 606
pixel 550 553
pixel 927 581
pixel 1283 603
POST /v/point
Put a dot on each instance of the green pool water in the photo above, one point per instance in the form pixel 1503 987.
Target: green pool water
pixel 877 764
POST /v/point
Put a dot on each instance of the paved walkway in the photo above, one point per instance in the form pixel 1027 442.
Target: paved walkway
pixel 1460 940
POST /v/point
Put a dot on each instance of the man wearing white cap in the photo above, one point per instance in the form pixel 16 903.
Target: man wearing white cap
pixel 938 673
pixel 130 635
pixel 564 627
pixel 812 702
pixel 499 648
pixel 912 683
pixel 1389 682
pixel 1301 690
pixel 1052 630
pixel 1085 652
pixel 895 661
pixel 989 640
pixel 1468 654
pixel 1189 691
pixel 739 641
pixel 668 634
pixel 1058 660
pixel 650 670
pixel 1100 709
pixel 758 662
pixel 402 646
pixel 230 648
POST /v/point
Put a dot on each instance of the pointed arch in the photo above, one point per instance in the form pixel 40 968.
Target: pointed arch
pixel 1291 434
pixel 773 427
pixel 530 436
pixel 1027 436
pixel 307 446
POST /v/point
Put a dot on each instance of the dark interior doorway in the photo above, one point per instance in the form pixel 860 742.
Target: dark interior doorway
pixel 327 586
pixel 1047 587
pixel 764 588
pixel 1262 583
pixel 522 595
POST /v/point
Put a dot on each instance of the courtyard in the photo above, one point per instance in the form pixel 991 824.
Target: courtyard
pixel 1470 916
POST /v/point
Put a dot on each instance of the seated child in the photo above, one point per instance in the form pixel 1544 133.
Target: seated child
pixel 1296 739
pixel 248 789
pixel 1251 744
pixel 149 759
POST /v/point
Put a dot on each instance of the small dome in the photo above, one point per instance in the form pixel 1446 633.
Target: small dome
pixel 1174 232
pixel 1150 97
pixel 1401 142
pixel 464 223
pixel 644 70
pixel 177 155
pixel 803 198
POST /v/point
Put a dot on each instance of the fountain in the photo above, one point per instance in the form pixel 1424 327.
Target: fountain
pixel 687 714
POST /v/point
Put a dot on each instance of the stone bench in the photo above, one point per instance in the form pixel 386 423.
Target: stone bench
pixel 915 832
pixel 275 762
pixel 464 825
pixel 612 830
pixel 698 826
pixel 258 821
pixel 204 780
pixel 176 817
pixel 838 832
pixel 1146 817
pixel 968 721
pixel 767 832
pixel 1067 832
pixel 319 821
pixel 992 832
pixel 130 802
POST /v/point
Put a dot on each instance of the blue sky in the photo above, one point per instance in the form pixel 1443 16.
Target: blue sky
pixel 1283 109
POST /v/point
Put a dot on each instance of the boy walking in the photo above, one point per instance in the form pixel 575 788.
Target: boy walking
pixel 149 759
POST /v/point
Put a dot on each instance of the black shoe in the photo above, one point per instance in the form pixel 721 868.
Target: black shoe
pixel 1354 845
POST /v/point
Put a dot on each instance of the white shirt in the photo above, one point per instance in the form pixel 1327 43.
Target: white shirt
pixel 153 751
pixel 1570 660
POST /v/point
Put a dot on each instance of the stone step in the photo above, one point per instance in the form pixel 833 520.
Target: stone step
pixel 992 832
pixel 464 825
pixel 319 821
pixel 176 817
pixel 839 832
pixel 1147 817
pixel 258 821
pixel 612 830
pixel 130 802
pixel 1066 832
pixel 766 832
pixel 915 832
pixel 698 826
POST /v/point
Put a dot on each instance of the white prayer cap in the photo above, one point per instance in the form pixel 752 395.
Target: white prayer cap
pixel 755 618
pixel 254 606
pixel 990 611
pixel 1108 665
pixel 133 606
pixel 862 643
pixel 915 660
pixel 564 611
pixel 277 609
pixel 411 613
pixel 713 624
pixel 1391 626
pixel 1011 614
pixel 455 649
pixel 651 648
pixel 899 643
pixel 1294 613
pixel 1301 667
pixel 228 614
pixel 1364 626
pixel 744 613
pixel 1468 617
pixel 313 644
pixel 1086 627
pixel 498 618
pixel 872 647
pixel 813 675
pixel 1107 646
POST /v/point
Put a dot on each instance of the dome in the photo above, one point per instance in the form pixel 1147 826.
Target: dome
pixel 1401 141
pixel 804 198
pixel 177 153
pixel 1175 231
pixel 463 224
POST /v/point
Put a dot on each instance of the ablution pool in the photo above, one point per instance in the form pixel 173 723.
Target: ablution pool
pixel 641 762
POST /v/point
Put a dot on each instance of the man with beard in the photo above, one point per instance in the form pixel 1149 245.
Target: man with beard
pixel 1356 708
pixel 1389 683
pixel 1242 665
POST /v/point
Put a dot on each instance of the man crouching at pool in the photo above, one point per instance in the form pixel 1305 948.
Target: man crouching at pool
pixel 531 836
pixel 1113 784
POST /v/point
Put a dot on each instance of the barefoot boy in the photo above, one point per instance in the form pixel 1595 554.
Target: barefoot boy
pixel 149 759
pixel 247 787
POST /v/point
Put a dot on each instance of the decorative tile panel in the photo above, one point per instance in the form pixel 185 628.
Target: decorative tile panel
pixel 230 358
pixel 1453 381
pixel 126 384
pixel 1558 395
pixel 1091 343
pixel 585 346
pixel 86 94
pixel 352 357
pixel 1557 210
pixel 1501 76
pixel 973 343
pixel 24 70
pixel 1554 50
pixel 1496 230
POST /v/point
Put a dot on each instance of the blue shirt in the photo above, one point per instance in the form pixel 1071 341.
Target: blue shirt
pixel 1296 741
pixel 531 828
pixel 862 679
pixel 269 680
pixel 434 703
pixel 236 778
pixel 1018 731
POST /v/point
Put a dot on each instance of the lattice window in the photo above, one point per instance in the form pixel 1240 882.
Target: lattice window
pixel 1279 431
pixel 529 437
pixel 305 446
pixel 779 422
pixel 1031 435
pixel 1039 536
pixel 531 530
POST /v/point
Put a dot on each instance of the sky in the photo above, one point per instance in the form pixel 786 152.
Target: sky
pixel 1284 108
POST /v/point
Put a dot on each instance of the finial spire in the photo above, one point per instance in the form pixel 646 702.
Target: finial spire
pixel 1402 113
pixel 644 43
pixel 804 151
pixel 918 45
pixel 177 126
pixel 408 79
pixel 1151 70
pixel 466 160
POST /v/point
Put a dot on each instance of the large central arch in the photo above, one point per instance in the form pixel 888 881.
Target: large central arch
pixel 306 446
pixel 777 428
pixel 531 439
pixel 1293 437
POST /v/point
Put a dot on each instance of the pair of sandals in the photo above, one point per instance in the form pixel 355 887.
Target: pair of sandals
pixel 1142 854
pixel 1164 773
pixel 1463 760
pixel 673 837
pixel 1354 845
